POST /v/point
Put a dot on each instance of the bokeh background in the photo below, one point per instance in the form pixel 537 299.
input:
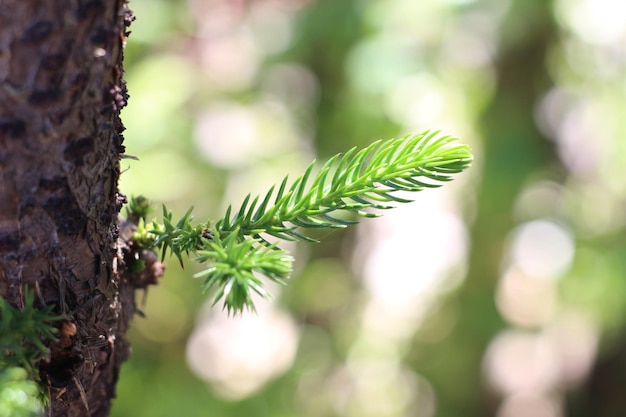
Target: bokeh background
pixel 501 294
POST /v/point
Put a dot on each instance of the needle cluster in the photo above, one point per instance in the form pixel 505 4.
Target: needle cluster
pixel 22 332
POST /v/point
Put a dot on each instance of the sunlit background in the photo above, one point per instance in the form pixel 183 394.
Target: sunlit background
pixel 501 294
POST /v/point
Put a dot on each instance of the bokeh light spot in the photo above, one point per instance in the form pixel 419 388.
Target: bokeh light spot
pixel 542 248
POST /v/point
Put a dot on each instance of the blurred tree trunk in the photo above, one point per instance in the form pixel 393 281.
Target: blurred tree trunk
pixel 61 90
pixel 514 150
pixel 601 394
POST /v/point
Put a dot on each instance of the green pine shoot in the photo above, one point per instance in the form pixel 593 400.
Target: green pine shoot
pixel 22 332
pixel 235 247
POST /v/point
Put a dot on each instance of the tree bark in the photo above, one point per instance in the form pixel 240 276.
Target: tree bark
pixel 61 91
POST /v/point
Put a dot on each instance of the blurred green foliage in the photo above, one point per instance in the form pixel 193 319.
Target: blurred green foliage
pixel 18 395
pixel 523 313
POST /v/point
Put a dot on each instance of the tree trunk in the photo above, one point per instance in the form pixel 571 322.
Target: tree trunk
pixel 61 90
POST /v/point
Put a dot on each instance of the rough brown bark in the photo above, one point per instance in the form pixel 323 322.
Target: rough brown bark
pixel 61 90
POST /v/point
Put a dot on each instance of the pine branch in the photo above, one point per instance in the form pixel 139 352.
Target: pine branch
pixel 235 267
pixel 356 181
pixel 359 180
